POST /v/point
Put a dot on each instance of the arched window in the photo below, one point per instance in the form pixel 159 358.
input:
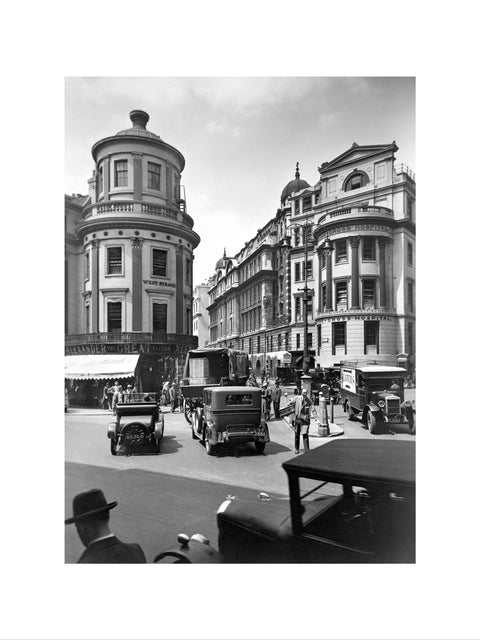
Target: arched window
pixel 355 181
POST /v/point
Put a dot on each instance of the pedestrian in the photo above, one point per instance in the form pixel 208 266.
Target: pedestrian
pixel 395 388
pixel 91 517
pixel 105 404
pixel 165 391
pixel 114 393
pixel 128 393
pixel 266 401
pixel 173 391
pixel 301 417
pixel 120 393
pixel 251 382
pixel 276 397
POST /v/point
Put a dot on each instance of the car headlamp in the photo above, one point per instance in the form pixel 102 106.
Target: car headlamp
pixel 381 404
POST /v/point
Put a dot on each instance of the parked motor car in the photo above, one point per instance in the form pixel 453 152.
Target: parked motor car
pixel 230 415
pixel 351 501
pixel 375 394
pixel 137 427
pixel 366 512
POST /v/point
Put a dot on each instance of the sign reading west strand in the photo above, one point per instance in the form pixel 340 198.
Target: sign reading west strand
pixel 159 283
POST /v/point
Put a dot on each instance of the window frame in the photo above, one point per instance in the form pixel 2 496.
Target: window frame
pixel 376 344
pixel 109 273
pixel 151 174
pixel 409 253
pixel 338 256
pixel 364 180
pixel 108 319
pixel 364 304
pixel 165 251
pixel 336 344
pixel 373 241
pixel 117 171
pixel 341 281
pixel 159 303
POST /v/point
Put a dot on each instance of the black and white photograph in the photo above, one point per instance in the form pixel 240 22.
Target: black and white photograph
pixel 222 319
pixel 226 310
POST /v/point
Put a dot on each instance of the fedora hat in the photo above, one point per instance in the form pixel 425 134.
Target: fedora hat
pixel 88 504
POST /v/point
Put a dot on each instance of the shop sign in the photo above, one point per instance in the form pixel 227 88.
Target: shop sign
pixel 101 349
pixel 354 316
pixel 350 228
pixel 159 283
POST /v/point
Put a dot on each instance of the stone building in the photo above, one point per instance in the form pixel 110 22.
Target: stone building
pixel 128 265
pixel 361 297
pixel 200 313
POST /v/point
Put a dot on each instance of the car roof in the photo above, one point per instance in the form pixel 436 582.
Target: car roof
pixel 238 389
pixel 375 368
pixel 372 461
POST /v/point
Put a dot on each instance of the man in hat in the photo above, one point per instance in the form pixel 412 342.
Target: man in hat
pixel 266 401
pixel 276 397
pixel 301 417
pixel 91 516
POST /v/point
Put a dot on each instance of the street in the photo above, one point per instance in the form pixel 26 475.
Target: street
pixel 180 489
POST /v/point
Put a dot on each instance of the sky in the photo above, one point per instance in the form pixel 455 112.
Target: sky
pixel 241 138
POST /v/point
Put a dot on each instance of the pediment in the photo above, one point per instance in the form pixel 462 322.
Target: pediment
pixel 357 154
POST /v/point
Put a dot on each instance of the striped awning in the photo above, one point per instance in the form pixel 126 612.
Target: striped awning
pixel 100 367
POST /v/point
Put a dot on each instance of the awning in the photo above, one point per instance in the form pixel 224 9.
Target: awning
pixel 97 367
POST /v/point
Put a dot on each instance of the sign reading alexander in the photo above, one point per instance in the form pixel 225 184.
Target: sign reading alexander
pixel 139 347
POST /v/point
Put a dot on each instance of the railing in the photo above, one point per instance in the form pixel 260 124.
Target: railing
pixel 129 337
pixel 403 168
pixel 129 206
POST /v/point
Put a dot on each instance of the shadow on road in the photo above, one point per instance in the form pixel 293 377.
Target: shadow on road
pixel 247 450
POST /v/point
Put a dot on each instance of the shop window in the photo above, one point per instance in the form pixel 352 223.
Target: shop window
pixel 153 176
pixel 371 333
pixel 368 293
pixel 355 181
pixel 121 173
pixel 368 248
pixel 339 337
pixel 114 317
pixel 114 260
pixel 159 263
pixel 159 320
pixel 341 251
pixel 341 294
pixel 410 254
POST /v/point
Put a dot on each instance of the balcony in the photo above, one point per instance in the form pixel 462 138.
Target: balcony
pixel 135 207
pixel 357 212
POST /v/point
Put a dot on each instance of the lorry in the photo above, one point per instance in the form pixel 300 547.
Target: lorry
pixel 375 394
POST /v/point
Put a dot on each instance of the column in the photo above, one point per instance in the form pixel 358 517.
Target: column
pixel 106 179
pixel 137 176
pixel 288 281
pixel 137 289
pixel 329 306
pixel 179 294
pixel 94 267
pixel 320 301
pixel 354 243
pixel 383 277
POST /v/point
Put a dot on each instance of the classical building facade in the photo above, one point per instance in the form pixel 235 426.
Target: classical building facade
pixel 361 297
pixel 129 258
pixel 200 313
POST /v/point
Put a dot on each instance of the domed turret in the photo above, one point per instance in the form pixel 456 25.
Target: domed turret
pixel 294 185
pixel 139 120
pixel 221 264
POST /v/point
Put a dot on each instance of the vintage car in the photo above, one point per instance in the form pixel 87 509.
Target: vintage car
pixel 375 394
pixel 230 415
pixel 138 427
pixel 350 501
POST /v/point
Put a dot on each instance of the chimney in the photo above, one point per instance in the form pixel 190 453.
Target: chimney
pixel 139 118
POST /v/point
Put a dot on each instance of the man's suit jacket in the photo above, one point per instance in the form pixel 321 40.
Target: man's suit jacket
pixel 112 551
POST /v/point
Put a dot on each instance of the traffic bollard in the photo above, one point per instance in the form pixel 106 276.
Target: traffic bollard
pixel 323 429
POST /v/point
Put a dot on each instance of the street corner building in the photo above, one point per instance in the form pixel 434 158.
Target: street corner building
pixel 333 268
pixel 129 249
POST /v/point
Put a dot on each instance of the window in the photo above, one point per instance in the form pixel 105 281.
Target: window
pixel 309 340
pixel 159 318
pixel 121 173
pixel 87 318
pixel 371 331
pixel 114 260
pixel 188 271
pixel 341 294
pixel 298 308
pixel 297 271
pixel 298 340
pixel 297 207
pixel 258 344
pixel 99 181
pixel 341 251
pixel 279 341
pixel 307 203
pixel 319 338
pixel 153 176
pixel 87 266
pixel 368 293
pixel 286 341
pixel 296 236
pixel 356 181
pixel 410 254
pixel 159 263
pixel 410 296
pixel 368 248
pixel 324 296
pixel 114 317
pixel 339 335
pixel 323 260
pixel 309 270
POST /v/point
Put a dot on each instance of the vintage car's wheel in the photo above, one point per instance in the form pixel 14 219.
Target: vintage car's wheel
pixel 260 447
pixel 188 409
pixel 349 410
pixel 113 446
pixel 372 422
pixel 194 426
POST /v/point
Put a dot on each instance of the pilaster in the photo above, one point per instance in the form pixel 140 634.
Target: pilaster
pixel 137 292
pixel 355 243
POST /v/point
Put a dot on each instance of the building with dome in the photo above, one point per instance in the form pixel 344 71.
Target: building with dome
pixel 361 295
pixel 129 249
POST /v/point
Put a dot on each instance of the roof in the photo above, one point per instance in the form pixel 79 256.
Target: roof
pixel 232 389
pixel 366 462
pixel 294 185
pixel 376 368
